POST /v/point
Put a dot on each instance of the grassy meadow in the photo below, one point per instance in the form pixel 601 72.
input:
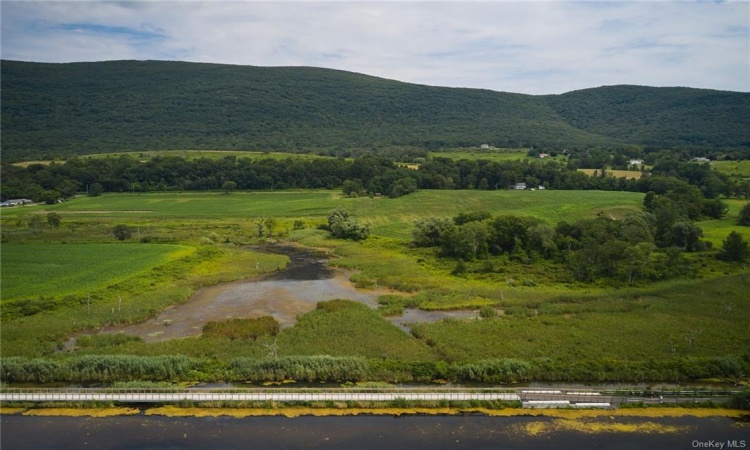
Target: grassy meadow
pixel 628 174
pixel 736 169
pixel 491 154
pixel 58 270
pixel 189 155
pixel 182 241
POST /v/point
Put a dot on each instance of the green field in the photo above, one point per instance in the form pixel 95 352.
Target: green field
pixel 210 154
pixel 735 169
pixel 40 270
pixel 204 204
pixel 629 174
pixel 561 329
pixel 389 217
pixel 190 155
pixel 499 154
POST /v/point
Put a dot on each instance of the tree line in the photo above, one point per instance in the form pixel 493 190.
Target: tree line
pixel 366 175
pixel 648 245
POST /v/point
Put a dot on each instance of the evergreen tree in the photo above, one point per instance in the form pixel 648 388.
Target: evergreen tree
pixel 734 248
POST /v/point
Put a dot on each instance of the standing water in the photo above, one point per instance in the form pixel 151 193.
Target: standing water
pixel 283 295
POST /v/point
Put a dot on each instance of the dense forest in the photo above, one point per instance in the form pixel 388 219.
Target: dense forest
pixel 59 110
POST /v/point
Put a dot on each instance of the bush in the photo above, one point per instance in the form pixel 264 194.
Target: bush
pixel 487 312
pixel 343 226
pixel 744 218
pixel 121 232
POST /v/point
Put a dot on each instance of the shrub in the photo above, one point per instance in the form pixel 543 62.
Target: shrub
pixel 343 226
pixel 121 232
pixel 487 312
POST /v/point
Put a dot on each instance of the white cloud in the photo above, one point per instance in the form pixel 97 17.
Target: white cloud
pixel 530 47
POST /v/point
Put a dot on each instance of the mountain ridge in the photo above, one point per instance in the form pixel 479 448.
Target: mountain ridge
pixel 75 108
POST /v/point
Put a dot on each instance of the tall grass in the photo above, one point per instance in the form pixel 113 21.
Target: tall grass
pixel 300 368
pixel 97 368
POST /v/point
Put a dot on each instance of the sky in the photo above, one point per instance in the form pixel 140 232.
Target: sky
pixel 531 47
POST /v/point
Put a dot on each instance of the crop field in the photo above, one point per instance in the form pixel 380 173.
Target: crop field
pixel 35 270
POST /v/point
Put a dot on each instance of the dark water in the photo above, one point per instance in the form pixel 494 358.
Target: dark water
pixel 366 432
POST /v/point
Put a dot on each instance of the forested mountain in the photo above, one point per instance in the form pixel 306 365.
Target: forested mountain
pixel 659 116
pixel 65 109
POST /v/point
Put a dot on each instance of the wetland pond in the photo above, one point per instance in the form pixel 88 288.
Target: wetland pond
pixel 284 295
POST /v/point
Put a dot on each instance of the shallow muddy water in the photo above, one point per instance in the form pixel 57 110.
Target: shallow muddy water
pixel 284 295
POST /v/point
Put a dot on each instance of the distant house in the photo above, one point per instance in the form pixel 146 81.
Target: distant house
pixel 16 202
pixel 484 146
pixel 519 186
pixel 700 159
pixel 635 162
pixel 543 155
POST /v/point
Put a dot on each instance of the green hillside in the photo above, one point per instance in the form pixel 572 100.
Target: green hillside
pixel 660 116
pixel 64 109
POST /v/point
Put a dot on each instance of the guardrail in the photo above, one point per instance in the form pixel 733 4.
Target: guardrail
pixel 529 396
pixel 157 395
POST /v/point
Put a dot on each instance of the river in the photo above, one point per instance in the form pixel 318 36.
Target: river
pixel 367 432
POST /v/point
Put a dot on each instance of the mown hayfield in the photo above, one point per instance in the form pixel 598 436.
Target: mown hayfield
pixel 209 154
pixel 628 174
pixel 202 205
pixel 496 155
pixel 189 155
pixel 394 217
pixel 34 270
pixel 389 217
pixel 716 230
pixel 735 169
